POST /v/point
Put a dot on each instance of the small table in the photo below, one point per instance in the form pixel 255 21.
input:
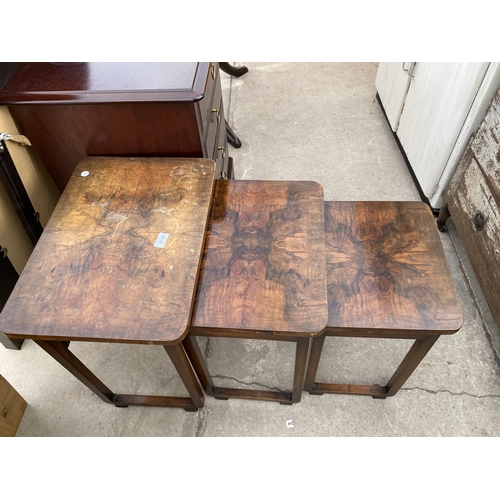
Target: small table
pixel 118 262
pixel 263 274
pixel 387 278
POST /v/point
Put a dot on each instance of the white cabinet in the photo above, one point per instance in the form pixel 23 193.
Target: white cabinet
pixel 433 108
pixel 392 85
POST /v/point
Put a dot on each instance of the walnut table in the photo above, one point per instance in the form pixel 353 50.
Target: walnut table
pixel 118 262
pixel 263 274
pixel 387 278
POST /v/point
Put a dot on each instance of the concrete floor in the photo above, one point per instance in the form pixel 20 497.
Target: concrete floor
pixel 298 122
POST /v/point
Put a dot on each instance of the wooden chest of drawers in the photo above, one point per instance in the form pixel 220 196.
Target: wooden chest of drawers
pixel 73 110
pixel 473 200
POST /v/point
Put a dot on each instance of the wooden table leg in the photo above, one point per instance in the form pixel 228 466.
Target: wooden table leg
pixel 181 362
pixel 60 352
pixel 312 369
pixel 412 359
pixel 198 361
pixel 199 364
pixel 415 355
pixel 300 369
pixel 11 343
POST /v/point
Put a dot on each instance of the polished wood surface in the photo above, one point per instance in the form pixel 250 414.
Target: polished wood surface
pixel 387 270
pixel 263 265
pixel 263 275
pixel 65 134
pixel 73 110
pixel 90 82
pixel 99 272
pixel 387 278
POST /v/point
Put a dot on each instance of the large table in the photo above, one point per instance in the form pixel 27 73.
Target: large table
pixel 118 262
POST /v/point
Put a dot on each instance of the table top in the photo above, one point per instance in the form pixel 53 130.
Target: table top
pixel 264 261
pixel 387 269
pixel 90 82
pixel 119 259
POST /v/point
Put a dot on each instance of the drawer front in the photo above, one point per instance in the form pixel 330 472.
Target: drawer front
pixel 222 159
pixel 486 148
pixel 221 154
pixel 474 198
pixel 205 105
pixel 215 123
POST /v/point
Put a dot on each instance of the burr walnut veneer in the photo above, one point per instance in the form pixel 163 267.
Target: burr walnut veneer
pixel 155 251
pixel 263 274
pixel 387 278
pixel 118 262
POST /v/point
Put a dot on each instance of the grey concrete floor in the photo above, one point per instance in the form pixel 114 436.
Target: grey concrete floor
pixel 298 122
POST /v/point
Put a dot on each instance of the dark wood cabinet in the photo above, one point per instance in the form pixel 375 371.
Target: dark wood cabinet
pixel 73 110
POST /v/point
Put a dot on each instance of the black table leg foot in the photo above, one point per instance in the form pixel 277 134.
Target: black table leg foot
pixel 232 138
pixel 443 216
pixel 233 70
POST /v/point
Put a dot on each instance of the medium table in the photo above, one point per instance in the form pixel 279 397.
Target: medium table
pixel 118 262
pixel 263 274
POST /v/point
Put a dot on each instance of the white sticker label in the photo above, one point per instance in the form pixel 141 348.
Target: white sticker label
pixel 161 240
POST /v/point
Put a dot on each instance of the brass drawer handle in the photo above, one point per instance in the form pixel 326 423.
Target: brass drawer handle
pixel 212 68
pixel 215 110
pixel 221 148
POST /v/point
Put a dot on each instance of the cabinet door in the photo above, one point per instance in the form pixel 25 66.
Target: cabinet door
pixel 436 106
pixel 392 84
